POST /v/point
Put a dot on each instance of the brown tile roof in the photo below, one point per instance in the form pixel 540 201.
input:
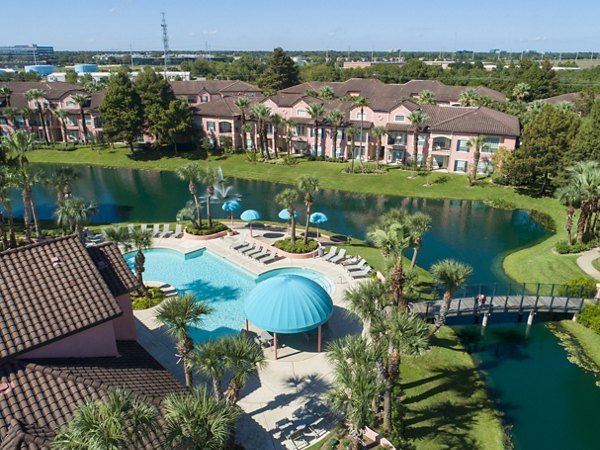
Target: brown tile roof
pixel 48 291
pixel 113 268
pixel 224 87
pixel 54 91
pixel 570 97
pixel 38 397
pixel 221 108
pixel 476 120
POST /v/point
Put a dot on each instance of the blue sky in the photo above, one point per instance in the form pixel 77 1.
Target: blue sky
pixel 512 25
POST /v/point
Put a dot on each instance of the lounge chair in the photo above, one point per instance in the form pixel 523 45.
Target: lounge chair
pixel 156 230
pixel 94 238
pixel 269 259
pixel 357 266
pixel 130 228
pixel 248 249
pixel 144 227
pixel 264 252
pixel 239 245
pixel 267 254
pixel 254 252
pixel 339 257
pixel 330 254
pixel 166 231
pixel 178 231
pixel 361 273
pixel 266 339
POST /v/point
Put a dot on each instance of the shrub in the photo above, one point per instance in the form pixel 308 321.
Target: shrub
pixel 290 160
pixel 500 203
pixel 298 247
pixel 139 301
pixel 368 168
pixel 252 156
pixel 205 230
pixel 441 179
pixel 589 317
pixel 577 286
pixel 564 248
pixel 543 219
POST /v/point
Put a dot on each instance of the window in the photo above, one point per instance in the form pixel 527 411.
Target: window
pixel 191 99
pixel 270 128
pixel 421 140
pixel 20 120
pixel 300 130
pixel 301 112
pixel 89 121
pixel 341 133
pixel 399 118
pixel 203 98
pixel 360 116
pixel 224 127
pixel 463 145
pixel 460 165
pixel 484 167
pixel 210 126
pixel 3 121
pixel 441 143
pixel 396 138
pixel 492 144
pixel 70 104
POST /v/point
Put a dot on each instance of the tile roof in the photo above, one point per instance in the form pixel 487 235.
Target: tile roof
pixel 476 120
pixel 570 97
pixel 224 87
pixel 53 91
pixel 223 107
pixel 49 291
pixel 37 397
pixel 113 268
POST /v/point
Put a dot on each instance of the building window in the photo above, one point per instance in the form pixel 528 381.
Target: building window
pixel 399 118
pixel 224 127
pixel 484 167
pixel 70 104
pixel 89 121
pixel 20 120
pixel 191 99
pixel 492 144
pixel 203 98
pixel 460 165
pixel 300 130
pixel 441 143
pixel 270 128
pixel 210 126
pixel 421 140
pixel 3 121
pixel 361 116
pixel 463 145
pixel 396 138
pixel 301 112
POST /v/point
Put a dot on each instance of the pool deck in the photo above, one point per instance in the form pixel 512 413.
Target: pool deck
pixel 298 375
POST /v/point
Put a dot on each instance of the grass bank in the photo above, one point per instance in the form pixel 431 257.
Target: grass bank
pixel 534 264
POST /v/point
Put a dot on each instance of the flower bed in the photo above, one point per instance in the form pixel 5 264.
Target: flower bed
pixel 205 233
pixel 298 249
pixel 140 301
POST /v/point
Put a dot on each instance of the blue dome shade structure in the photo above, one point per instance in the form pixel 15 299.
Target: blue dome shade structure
pixel 284 214
pixel 318 218
pixel 231 206
pixel 250 215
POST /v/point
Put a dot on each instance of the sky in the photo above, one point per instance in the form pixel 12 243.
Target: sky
pixel 435 25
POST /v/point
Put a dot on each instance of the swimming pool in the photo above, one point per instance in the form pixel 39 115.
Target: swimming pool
pixel 223 284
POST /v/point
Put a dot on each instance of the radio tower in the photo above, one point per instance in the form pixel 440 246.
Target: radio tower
pixel 165 43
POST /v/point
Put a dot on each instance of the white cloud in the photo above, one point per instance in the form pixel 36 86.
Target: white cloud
pixel 209 32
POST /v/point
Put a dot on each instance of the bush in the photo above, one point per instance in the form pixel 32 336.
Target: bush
pixel 589 317
pixel 564 248
pixel 298 247
pixel 500 203
pixel 140 301
pixel 543 219
pixel 577 286
pixel 290 160
pixel 205 230
pixel 368 168
pixel 500 180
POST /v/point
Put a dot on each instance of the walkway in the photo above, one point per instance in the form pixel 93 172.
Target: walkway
pixel 286 384
pixel 585 263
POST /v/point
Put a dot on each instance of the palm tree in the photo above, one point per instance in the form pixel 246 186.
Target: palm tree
pixel 336 119
pixel 316 111
pixel 425 97
pixel 468 97
pixel 287 198
pixel 62 115
pixel 356 384
pixel 419 224
pixel 585 179
pixel 82 101
pixel 521 92
pixel 378 134
pixel 351 133
pixel 191 173
pixel 177 314
pixel 208 359
pixel 477 143
pixel 361 102
pixel 35 95
pixel 326 93
pixel 417 120
pixel 208 176
pixel 195 420
pixel 11 113
pixel 248 128
pixel 452 275
pixel 242 103
pixel 570 197
pixel 289 125
pixel 28 114
pixel 72 214
pixel 262 113
pixel 60 181
pixel 6 92
pixel 7 182
pixel 309 185
pixel 243 358
pixel 117 421
pixel 277 121
pixel 366 301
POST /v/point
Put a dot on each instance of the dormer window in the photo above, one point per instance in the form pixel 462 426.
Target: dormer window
pixel 301 112
pixel 399 118
pixel 361 116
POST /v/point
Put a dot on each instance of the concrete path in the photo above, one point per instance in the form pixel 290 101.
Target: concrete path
pixel 585 263
pixel 300 374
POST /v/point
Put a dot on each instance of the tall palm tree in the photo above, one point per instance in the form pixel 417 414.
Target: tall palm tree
pixel 356 384
pixel 248 128
pixel 452 275
pixel 195 420
pixel 425 97
pixel 316 111
pixel 366 300
pixel 289 125
pixel 326 93
pixel 242 103
pixel 521 92
pixel 261 113
pixel 287 198
pixel 243 359
pixel 7 182
pixel 308 184
pixel 35 95
pixel 11 114
pixel 60 181
pixel 118 421
pixel 378 134
pixel 28 114
pixel 72 214
pixel 417 120
pixel 191 173
pixel 569 197
pixel 419 224
pixel 208 176
pixel 177 314
pixel 336 119
pixel 362 103
pixel 62 115
pixel 208 359
pixel 6 92
pixel 468 97
pixel 82 101
pixel 585 179
pixel 277 121
pixel 351 133
pixel 477 143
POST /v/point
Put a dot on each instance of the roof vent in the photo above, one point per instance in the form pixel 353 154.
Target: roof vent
pixel 56 261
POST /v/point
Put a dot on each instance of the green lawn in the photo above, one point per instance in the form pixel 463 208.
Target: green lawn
pixel 534 264
pixel 596 264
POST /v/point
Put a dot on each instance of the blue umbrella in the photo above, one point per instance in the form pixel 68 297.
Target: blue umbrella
pixel 284 214
pixel 318 218
pixel 231 206
pixel 250 215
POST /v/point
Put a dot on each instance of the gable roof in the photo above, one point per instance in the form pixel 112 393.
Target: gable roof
pixel 113 269
pixel 476 120
pixel 53 289
pixel 224 87
pixel 223 107
pixel 53 91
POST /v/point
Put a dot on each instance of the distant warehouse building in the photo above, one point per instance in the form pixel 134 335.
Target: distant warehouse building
pixel 27 52
pixel 41 69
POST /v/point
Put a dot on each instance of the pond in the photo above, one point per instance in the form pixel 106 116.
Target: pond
pixel 549 402
pixel 467 231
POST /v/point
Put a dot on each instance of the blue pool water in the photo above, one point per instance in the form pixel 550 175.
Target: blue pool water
pixel 223 284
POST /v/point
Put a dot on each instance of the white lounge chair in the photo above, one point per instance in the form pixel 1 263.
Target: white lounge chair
pixel 264 252
pixel 239 245
pixel 361 273
pixel 254 252
pixel 144 227
pixel 166 231
pixel 178 231
pixel 130 228
pixel 248 249
pixel 330 254
pixel 156 230
pixel 269 259
pixel 340 256
pixel 357 266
